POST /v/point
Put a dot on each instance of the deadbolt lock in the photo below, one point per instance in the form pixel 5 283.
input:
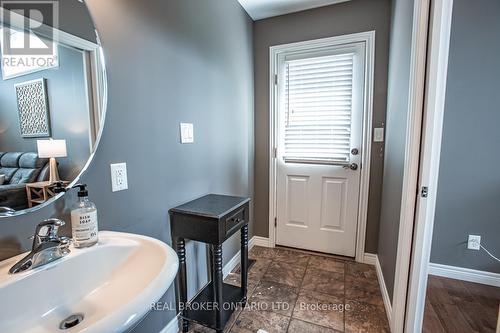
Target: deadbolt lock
pixel 354 151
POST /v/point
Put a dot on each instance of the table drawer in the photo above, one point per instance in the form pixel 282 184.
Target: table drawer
pixel 234 221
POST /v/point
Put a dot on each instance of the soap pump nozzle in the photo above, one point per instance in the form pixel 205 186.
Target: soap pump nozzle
pixel 82 192
pixel 58 187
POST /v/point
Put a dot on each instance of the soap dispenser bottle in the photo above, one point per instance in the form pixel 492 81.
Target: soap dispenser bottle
pixel 84 219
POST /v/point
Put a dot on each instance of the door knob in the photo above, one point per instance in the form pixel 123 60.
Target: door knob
pixel 352 166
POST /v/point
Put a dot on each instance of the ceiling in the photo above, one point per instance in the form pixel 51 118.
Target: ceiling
pixel 259 9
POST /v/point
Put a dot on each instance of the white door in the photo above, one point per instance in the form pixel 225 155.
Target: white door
pixel 319 131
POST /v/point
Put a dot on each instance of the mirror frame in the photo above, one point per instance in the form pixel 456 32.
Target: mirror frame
pixel 96 53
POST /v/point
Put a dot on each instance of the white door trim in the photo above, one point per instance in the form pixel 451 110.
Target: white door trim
pixel 369 39
pixel 437 70
pixel 411 162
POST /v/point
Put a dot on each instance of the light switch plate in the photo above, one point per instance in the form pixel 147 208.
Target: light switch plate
pixel 119 180
pixel 187 133
pixel 378 134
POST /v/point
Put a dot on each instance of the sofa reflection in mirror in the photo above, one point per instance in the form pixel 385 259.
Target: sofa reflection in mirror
pixel 20 169
pixel 46 113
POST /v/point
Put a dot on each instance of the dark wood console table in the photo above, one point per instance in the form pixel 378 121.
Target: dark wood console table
pixel 210 219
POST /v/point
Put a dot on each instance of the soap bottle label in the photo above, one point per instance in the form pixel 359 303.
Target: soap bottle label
pixel 85 226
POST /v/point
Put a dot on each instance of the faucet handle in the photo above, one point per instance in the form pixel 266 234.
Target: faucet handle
pixel 48 228
pixel 65 242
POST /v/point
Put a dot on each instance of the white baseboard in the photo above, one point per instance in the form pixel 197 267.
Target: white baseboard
pixel 383 290
pixel 235 260
pixel 231 264
pixel 465 274
pixel 172 326
pixel 261 241
pixel 372 259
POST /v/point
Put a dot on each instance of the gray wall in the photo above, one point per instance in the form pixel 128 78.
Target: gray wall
pixel 168 62
pixel 345 18
pixel 397 115
pixel 74 18
pixel 68 109
pixel 469 181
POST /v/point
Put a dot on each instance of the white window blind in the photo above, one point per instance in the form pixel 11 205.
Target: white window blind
pixel 318 103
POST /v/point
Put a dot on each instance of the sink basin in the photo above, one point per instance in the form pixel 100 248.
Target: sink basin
pixel 112 285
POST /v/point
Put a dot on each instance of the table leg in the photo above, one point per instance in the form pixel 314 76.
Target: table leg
pixel 244 262
pixel 28 192
pixel 182 282
pixel 217 285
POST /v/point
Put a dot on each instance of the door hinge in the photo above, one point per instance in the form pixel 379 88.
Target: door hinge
pixel 424 192
pixel 276 79
pixel 275 152
pixel 275 222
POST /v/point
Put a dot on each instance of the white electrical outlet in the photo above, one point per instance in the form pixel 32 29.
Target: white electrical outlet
pixel 119 180
pixel 474 242
pixel 187 133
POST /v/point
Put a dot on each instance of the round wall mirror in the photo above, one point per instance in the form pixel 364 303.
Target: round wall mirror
pixel 52 100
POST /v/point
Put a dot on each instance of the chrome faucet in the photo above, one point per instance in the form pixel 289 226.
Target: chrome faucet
pixel 47 246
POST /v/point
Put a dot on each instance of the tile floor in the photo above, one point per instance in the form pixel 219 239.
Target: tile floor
pixel 299 292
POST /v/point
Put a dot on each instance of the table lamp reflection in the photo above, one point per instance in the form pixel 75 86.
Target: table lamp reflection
pixel 52 149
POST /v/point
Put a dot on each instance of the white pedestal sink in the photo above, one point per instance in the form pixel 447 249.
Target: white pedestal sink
pixel 112 285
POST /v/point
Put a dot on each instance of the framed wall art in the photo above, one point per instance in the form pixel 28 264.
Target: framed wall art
pixel 33 108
